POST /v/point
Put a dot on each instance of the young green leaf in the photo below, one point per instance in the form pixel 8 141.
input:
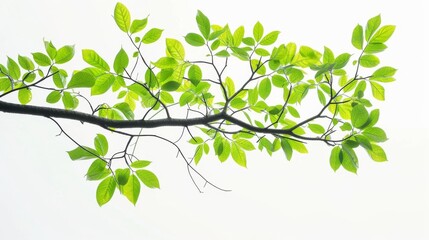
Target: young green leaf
pixel 140 164
pixel 102 84
pixel 170 86
pixel 122 17
pixel 152 36
pixel 175 49
pixel 14 70
pixel 335 160
pixel 265 88
pixel 195 74
pixel 258 31
pixel 377 91
pixel 25 63
pixel 105 190
pixel 316 128
pixel 375 134
pixel 53 97
pixel 195 40
pixel 122 176
pixel 369 61
pixel 24 95
pixel 81 80
pixel 372 26
pixel 121 61
pixel 377 153
pixel 93 59
pixel 383 34
pixel 131 190
pixel 50 49
pixel 238 154
pixel 245 144
pixel 137 25
pixel 41 59
pixel 349 159
pixel 125 109
pixel 359 116
pixel 148 178
pixel 287 148
pixel 203 24
pixel 101 144
pixel 82 153
pixel 357 37
pixel 97 170
pixel 64 54
pixel 341 61
pixel 270 38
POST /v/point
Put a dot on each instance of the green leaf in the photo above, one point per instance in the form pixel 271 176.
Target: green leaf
pixel 152 36
pixel 137 25
pixel 334 159
pixel 41 59
pixel 245 144
pixel 131 190
pixel 148 178
pixel 238 154
pixel 125 109
pixel 50 49
pixel 105 190
pixel 195 40
pixel 82 153
pixel 357 37
pixel 53 97
pixel 24 96
pixel 68 101
pixel 122 176
pixel 258 31
pixel 372 26
pixel 102 84
pixel 369 61
pixel 377 153
pixel 375 134
pixel 383 72
pixel 166 62
pixel 374 48
pixel 328 56
pixel 238 103
pixel 25 63
pixel 97 170
pixel 93 59
pixel 249 41
pixel 373 118
pixel 203 24
pixel 341 61
pixel 316 128
pixel 377 91
pixel 198 154
pixel 140 164
pixel 287 148
pixel 383 34
pixel 64 54
pixel 81 80
pixel 265 88
pixel 349 159
pixel 270 38
pixel 170 86
pixel 122 17
pixel 195 74
pixel 298 146
pixel 121 61
pixel 359 116
pixel 14 70
pixel 196 140
pixel 101 144
pixel 262 52
pixel 175 49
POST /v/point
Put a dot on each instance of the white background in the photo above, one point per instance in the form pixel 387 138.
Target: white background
pixel 44 195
